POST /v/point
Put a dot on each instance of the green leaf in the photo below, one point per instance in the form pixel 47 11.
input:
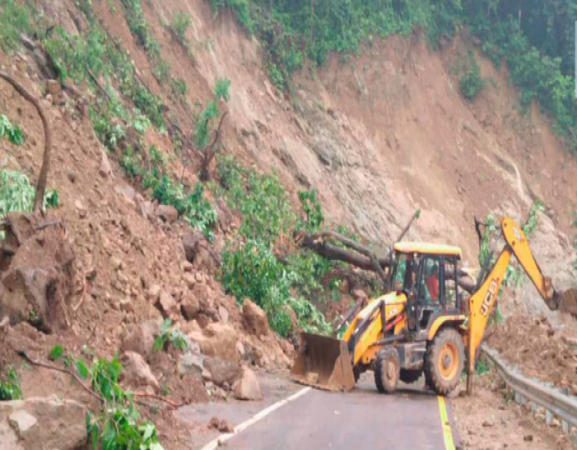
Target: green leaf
pixel 82 368
pixel 149 430
pixel 56 353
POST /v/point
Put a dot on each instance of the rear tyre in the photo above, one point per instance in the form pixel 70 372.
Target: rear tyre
pixel 410 376
pixel 444 361
pixel 387 370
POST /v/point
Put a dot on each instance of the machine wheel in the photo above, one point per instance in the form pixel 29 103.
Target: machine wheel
pixel 387 370
pixel 444 361
pixel 357 373
pixel 410 376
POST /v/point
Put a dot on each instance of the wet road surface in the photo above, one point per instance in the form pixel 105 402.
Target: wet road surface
pixel 318 420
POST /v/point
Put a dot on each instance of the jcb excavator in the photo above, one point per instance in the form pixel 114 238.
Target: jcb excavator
pixel 421 325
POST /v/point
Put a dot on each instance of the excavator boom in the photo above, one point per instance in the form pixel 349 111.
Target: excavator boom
pixel 483 300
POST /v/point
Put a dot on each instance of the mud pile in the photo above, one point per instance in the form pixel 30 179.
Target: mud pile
pixel 538 349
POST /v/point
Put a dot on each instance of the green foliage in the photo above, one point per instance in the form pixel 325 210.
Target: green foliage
pixel 471 82
pixel 241 8
pixel 190 204
pixel 250 267
pixel 16 192
pixel 310 318
pixel 139 26
pixel 14 20
pixel 177 338
pixel 313 211
pixel 56 353
pixel 12 132
pixel 481 367
pixel 10 386
pixel 179 25
pixel 179 88
pixel 514 276
pixel 117 427
pixel 206 120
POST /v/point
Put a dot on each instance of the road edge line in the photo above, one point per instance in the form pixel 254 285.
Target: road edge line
pixel 215 443
pixel 445 424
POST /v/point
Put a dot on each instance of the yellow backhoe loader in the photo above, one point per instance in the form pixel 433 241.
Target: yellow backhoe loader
pixel 422 324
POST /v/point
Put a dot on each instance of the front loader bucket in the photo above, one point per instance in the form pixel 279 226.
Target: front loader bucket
pixel 323 362
pixel 568 301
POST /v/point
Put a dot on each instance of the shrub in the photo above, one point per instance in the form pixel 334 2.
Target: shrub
pixel 179 25
pixel 471 81
pixel 177 338
pixel 12 132
pixel 14 20
pixel 10 386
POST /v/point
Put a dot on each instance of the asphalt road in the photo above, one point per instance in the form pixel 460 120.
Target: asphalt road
pixel 361 419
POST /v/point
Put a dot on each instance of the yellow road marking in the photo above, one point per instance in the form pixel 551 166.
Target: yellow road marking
pixel 447 432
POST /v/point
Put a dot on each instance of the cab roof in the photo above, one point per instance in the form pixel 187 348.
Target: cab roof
pixel 427 248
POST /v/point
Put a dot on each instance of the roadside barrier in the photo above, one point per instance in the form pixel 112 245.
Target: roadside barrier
pixel 542 400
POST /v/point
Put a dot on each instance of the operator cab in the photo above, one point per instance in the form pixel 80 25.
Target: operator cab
pixel 427 274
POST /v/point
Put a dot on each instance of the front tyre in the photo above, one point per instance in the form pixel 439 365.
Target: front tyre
pixel 387 370
pixel 444 361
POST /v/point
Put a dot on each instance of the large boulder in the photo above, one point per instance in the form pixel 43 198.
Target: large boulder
pixel 191 363
pixel 167 213
pixel 168 306
pixel 42 423
pixel 219 340
pixel 139 338
pixel 222 371
pixel 190 307
pixel 199 252
pixel 255 318
pixel 247 387
pixel 36 272
pixel 136 372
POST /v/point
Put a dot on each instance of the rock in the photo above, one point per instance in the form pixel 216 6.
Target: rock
pixel 223 314
pixel 153 293
pixel 54 88
pixel 488 424
pixel 116 263
pixel 167 213
pixel 146 209
pixel 136 372
pixel 247 387
pixel 220 341
pixel 192 364
pixel 186 266
pixel 105 169
pixel 138 339
pixel 221 425
pixel 168 305
pixel 189 279
pixel 221 371
pixel 71 176
pixel 574 389
pixel 255 317
pixel 189 308
pixel 206 375
pixel 196 250
pixel 42 423
pixel 528 438
pixel 126 191
pixel 127 306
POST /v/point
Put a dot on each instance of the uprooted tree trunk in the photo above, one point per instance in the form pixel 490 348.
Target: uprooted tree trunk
pixel 209 153
pixel 357 255
pixel 43 176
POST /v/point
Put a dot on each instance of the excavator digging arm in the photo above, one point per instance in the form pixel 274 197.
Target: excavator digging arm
pixel 483 300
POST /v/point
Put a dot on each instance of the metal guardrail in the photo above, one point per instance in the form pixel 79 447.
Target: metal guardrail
pixel 555 403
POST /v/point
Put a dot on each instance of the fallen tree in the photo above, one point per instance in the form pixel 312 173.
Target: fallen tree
pixel 326 244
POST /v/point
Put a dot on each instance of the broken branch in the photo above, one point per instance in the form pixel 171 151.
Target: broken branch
pixel 43 177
